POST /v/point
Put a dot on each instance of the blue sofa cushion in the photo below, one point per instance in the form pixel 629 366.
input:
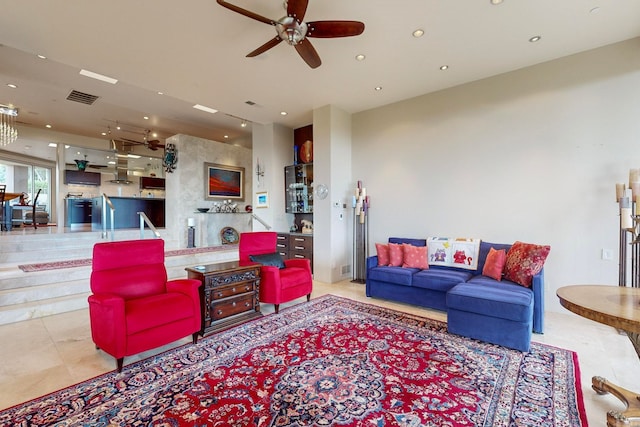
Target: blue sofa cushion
pixel 440 279
pixel 414 242
pixel 485 280
pixel 497 299
pixel 397 275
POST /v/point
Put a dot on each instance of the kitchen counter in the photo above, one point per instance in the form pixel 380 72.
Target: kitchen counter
pixel 126 212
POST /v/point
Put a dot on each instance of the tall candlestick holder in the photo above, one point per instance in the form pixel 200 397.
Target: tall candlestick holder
pixel 360 204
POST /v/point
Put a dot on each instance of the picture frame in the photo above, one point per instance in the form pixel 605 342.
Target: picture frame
pixel 262 199
pixel 223 182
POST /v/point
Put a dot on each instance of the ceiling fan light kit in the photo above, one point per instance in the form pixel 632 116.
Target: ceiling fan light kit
pixel 295 30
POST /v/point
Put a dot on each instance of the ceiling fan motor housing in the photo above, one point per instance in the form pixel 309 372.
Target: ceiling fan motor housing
pixel 291 30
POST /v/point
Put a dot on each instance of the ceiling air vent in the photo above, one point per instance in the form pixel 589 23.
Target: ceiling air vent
pixel 81 97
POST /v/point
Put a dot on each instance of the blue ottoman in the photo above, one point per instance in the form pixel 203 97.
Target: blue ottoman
pixel 500 313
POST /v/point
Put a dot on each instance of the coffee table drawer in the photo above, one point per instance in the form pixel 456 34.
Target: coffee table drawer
pixel 222 292
pixel 232 306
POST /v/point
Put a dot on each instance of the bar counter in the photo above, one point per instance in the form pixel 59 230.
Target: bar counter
pixel 126 212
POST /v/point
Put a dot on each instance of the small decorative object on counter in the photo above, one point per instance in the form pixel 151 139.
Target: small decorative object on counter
pixel 307 226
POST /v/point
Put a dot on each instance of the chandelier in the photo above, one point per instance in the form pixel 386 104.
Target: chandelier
pixel 8 131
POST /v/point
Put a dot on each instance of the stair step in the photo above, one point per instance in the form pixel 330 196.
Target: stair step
pixel 28 295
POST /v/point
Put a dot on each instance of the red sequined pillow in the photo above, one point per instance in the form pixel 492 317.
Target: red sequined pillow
pixel 525 260
pixel 396 254
pixel 494 264
pixel 382 251
pixel 415 257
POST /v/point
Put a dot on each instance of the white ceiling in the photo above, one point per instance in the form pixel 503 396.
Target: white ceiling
pixel 194 52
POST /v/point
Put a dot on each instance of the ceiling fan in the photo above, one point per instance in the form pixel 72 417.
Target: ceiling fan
pixel 152 145
pixel 295 31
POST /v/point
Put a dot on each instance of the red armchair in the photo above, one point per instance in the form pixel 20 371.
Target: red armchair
pixel 277 285
pixel 133 307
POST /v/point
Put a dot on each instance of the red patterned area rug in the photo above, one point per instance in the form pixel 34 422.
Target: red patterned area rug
pixel 328 362
pixel 56 265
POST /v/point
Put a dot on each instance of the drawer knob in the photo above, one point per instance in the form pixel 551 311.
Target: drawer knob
pixel 219 312
pixel 300 247
pixel 246 288
pixel 246 304
pixel 233 289
pixel 219 294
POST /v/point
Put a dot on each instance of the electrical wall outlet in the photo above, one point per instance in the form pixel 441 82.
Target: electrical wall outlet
pixel 607 254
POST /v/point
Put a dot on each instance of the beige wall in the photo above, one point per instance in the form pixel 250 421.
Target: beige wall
pixel 531 155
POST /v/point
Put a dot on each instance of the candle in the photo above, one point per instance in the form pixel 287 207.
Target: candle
pixel 635 189
pixel 634 176
pixel 191 222
pixel 619 191
pixel 364 192
pixel 625 218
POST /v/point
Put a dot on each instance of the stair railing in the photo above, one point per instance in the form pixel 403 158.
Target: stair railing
pixel 144 219
pixel 107 202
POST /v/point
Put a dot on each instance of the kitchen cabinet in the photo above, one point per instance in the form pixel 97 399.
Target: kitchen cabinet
pixel 126 212
pixel 78 211
pixel 151 183
pixel 82 178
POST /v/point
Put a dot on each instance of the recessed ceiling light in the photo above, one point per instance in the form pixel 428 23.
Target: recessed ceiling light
pixel 42 57
pixel 226 137
pixel 360 57
pixel 12 86
pixel 53 144
pixel 154 135
pixel 47 126
pixel 103 134
pixel 97 76
pixel 496 1
pixel 378 88
pixel 444 67
pixel 146 117
pixel 205 108
pixel 535 39
pixel 160 93
pixel 418 33
pixel 283 113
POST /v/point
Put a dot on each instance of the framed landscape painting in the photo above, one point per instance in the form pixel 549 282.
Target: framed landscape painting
pixel 223 182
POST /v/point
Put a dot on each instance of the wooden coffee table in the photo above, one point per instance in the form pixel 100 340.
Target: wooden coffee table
pixel 615 306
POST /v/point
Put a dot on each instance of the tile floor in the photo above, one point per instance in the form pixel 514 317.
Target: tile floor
pixel 43 355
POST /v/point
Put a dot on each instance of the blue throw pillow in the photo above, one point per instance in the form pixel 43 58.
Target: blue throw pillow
pixel 272 260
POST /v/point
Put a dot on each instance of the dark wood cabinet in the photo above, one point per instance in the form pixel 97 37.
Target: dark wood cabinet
pixel 229 294
pixel 149 182
pixel 295 246
pixel 78 211
pixel 82 178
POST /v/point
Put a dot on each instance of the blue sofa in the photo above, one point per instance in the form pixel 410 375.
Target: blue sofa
pixel 499 312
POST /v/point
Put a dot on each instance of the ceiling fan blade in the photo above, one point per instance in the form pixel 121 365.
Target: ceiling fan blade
pixel 297 8
pixel 328 29
pixel 308 53
pixel 246 12
pixel 265 47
